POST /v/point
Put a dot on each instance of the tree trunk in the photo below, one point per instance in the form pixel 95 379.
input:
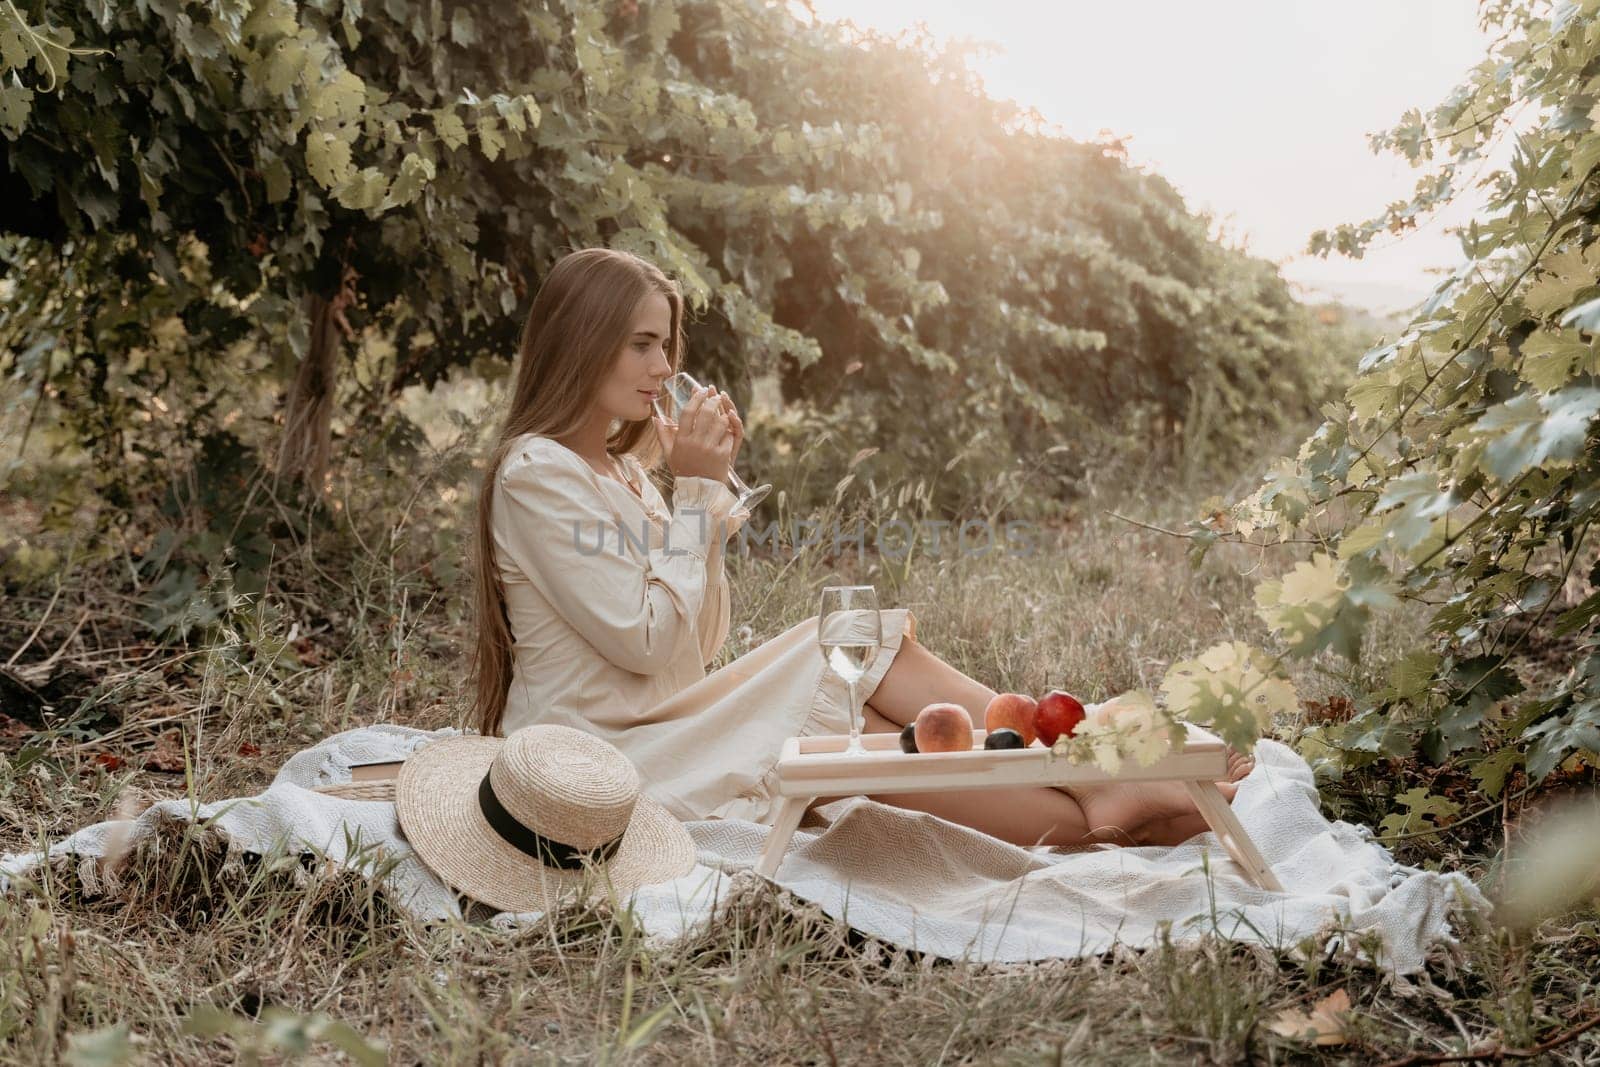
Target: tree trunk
pixel 308 409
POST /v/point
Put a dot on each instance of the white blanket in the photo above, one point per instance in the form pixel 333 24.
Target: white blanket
pixel 913 880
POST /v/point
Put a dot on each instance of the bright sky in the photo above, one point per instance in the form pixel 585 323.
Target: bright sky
pixel 1258 111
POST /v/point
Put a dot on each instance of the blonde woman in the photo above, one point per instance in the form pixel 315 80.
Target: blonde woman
pixel 599 605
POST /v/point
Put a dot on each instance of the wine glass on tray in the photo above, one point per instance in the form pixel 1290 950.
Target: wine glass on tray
pixel 849 633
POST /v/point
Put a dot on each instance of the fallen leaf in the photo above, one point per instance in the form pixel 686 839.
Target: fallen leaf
pixel 249 748
pixel 11 729
pixel 108 760
pixel 167 756
pixel 307 652
pixel 1334 709
pixel 1324 1024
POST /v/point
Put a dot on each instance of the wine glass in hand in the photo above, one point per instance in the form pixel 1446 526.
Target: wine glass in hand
pixel 849 631
pixel 676 392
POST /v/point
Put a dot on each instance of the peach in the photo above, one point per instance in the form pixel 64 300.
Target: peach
pixel 1011 711
pixel 942 727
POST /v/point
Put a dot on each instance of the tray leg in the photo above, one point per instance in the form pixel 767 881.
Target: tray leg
pixel 789 813
pixel 1218 813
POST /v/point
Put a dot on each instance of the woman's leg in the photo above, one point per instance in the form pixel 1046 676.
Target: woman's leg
pixel 1125 812
pixel 918 678
pixel 1023 816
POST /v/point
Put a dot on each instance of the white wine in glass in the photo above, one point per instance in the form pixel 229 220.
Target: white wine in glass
pixel 849 633
pixel 676 391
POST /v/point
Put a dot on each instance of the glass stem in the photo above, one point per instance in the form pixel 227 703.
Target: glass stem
pixel 855 720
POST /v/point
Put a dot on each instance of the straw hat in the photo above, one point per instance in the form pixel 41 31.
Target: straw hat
pixel 520 821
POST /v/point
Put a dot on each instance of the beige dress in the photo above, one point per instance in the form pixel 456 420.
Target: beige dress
pixel 617 603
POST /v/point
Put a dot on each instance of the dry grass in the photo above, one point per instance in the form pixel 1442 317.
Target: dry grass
pixel 197 960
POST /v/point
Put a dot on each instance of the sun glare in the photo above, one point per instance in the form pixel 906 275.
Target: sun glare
pixel 1257 112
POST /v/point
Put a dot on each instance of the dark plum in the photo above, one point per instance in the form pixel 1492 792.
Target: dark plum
pixel 908 738
pixel 1004 738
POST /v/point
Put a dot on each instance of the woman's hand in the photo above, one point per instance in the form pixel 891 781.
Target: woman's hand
pixel 735 425
pixel 702 444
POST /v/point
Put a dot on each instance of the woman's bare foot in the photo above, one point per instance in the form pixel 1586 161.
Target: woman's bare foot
pixel 1239 764
pixel 1176 831
pixel 1154 813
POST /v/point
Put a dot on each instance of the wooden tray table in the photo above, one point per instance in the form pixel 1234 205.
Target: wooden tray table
pixel 815 767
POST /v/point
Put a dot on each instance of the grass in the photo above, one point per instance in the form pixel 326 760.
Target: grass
pixel 198 959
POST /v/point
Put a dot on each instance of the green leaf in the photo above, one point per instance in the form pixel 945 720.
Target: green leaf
pixel 328 159
pixel 364 190
pixel 15 105
pixel 340 99
pixel 1553 739
pixel 14 54
pixel 1374 393
pixel 98 203
pixel 1287 491
pixel 452 131
pixel 282 66
pixel 278 181
pixel 1549 360
pixel 1530 431
pixel 490 138
pixel 1584 157
pixel 1563 276
pixel 415 173
pixel 516 111
pixel 1304 602
pixel 1492 771
pixel 591 61
pixel 663 23
pixel 1420 500
pixel 1364 538
pixel 1417 808
pixel 1457 727
pixel 1585 316
pixel 1325 604
pixel 1232 687
pixel 1485 677
pixel 1576 618
pixel 1413 674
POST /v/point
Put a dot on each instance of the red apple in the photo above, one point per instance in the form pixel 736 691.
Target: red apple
pixel 943 728
pixel 1058 715
pixel 1011 711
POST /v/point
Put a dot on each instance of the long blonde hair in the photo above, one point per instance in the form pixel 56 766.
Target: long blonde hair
pixel 579 323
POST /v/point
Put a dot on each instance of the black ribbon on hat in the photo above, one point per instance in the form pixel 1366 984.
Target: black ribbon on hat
pixel 546 850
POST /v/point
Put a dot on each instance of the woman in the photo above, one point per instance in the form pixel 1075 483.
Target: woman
pixel 599 606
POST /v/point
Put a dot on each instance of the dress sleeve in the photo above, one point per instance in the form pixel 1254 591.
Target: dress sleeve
pixel 717 613
pixel 555 526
